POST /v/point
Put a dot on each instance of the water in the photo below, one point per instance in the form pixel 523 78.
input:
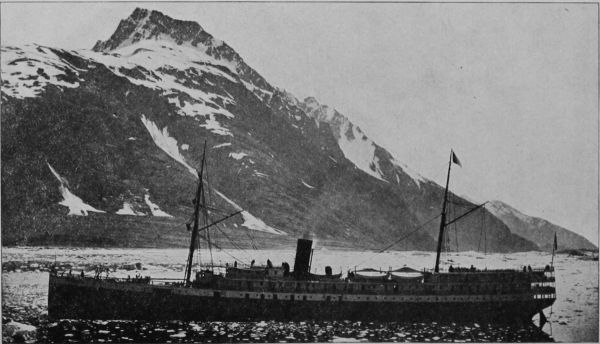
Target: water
pixel 573 318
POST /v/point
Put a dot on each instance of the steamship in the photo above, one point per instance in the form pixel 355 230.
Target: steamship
pixel 246 293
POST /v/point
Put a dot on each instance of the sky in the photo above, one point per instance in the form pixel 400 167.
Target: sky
pixel 511 88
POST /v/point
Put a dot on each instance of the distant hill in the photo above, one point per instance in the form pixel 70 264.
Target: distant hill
pixel 538 230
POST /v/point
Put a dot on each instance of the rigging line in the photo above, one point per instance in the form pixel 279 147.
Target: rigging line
pixel 458 202
pixel 484 236
pixel 231 240
pixel 402 238
pixel 251 239
pixel 480 234
pixel 227 253
pixel 455 229
pixel 209 201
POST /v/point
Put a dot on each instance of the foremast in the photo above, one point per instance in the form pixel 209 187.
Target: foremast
pixel 198 200
pixel 200 205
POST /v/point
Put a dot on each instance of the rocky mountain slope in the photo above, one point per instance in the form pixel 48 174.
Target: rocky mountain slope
pixel 101 146
pixel 538 230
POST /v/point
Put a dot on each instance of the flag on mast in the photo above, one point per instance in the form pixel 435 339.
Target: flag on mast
pixel 555 244
pixel 455 159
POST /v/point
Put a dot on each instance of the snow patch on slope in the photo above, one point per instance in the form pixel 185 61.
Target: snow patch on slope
pixel 75 204
pixel 260 174
pixel 355 145
pixel 28 70
pixel 417 178
pixel 174 70
pixel 360 152
pixel 237 156
pixel 305 184
pixel 251 221
pixel 128 210
pixel 155 209
pixel 167 143
pixel 222 145
pixel 500 209
pixel 215 127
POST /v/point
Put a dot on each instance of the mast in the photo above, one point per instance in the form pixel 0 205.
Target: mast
pixel 199 198
pixel 443 220
pixel 206 221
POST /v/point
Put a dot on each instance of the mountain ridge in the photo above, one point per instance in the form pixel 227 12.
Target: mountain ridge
pixel 536 228
pixel 124 126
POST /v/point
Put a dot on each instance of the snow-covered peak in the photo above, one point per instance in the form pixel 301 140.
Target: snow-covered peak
pixel 144 24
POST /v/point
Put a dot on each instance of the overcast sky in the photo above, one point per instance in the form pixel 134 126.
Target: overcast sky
pixel 512 88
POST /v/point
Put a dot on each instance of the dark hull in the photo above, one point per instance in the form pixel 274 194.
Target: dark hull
pixel 74 299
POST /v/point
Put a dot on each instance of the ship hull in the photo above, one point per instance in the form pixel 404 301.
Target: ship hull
pixel 71 298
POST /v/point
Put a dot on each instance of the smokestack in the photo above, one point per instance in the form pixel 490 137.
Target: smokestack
pixel 302 261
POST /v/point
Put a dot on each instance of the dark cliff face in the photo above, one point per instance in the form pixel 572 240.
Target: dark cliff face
pixel 126 133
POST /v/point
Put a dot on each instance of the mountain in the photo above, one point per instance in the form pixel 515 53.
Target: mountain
pixel 538 230
pixel 101 147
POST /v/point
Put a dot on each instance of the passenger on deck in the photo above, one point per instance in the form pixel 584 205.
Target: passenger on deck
pixel 269 264
pixel 473 268
pixel 82 274
pixel 252 263
pixel 529 268
pixel 524 269
pixel 450 269
pixel 235 264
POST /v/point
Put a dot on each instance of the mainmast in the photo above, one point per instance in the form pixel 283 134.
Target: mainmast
pixel 199 198
pixel 453 158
